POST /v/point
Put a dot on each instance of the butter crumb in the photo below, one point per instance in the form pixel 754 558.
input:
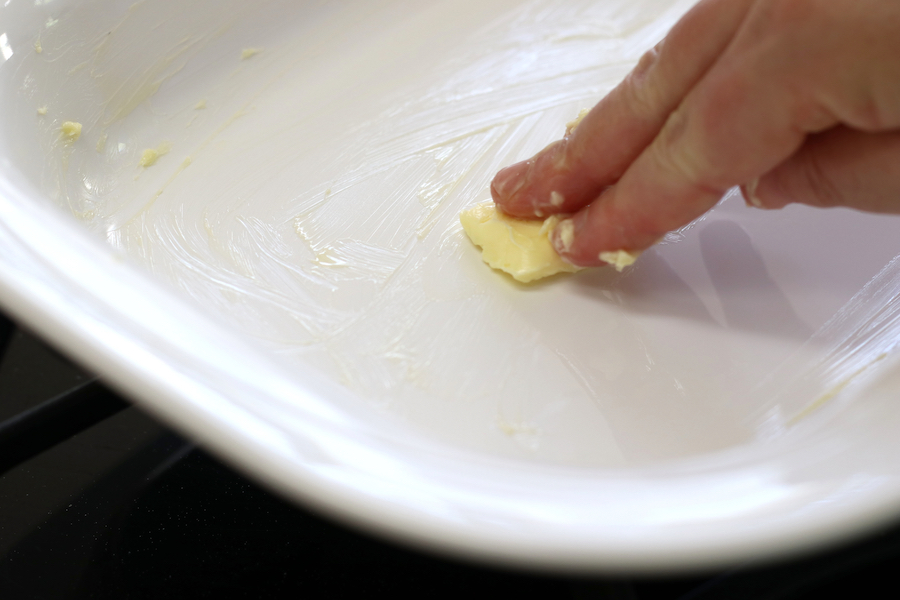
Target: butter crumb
pixel 37 47
pixel 248 52
pixel 574 123
pixel 557 199
pixel 70 131
pixel 200 105
pixel 42 110
pixel 101 143
pixel 619 259
pixel 151 155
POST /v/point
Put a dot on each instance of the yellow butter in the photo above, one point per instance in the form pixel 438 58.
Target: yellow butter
pixel 151 155
pixel 520 247
pixel 574 123
pixel 619 259
pixel 70 131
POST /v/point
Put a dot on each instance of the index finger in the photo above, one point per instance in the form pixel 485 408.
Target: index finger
pixel 571 173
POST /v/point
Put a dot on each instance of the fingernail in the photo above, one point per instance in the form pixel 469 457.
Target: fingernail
pixel 748 190
pixel 563 236
pixel 510 180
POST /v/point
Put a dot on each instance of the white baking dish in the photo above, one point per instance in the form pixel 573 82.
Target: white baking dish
pixel 289 283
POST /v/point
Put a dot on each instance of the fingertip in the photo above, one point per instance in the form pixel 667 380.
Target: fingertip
pixel 563 240
pixel 536 187
pixel 508 181
pixel 761 193
pixel 566 240
pixel 769 193
pixel 562 237
pixel 748 191
pixel 607 232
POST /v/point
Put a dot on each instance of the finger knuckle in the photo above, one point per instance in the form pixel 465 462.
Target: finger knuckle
pixel 643 92
pixel 680 157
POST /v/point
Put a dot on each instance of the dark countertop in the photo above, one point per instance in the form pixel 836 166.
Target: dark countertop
pixel 128 509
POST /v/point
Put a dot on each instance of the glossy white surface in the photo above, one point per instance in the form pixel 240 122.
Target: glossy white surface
pixel 299 296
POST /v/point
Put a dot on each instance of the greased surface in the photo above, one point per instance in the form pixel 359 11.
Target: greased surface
pixel 311 200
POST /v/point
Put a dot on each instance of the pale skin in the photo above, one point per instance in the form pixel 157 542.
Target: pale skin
pixel 796 101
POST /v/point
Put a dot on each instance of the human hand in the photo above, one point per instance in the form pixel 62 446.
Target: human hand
pixel 794 100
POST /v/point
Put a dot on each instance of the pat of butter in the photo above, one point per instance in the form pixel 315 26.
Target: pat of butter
pixel 520 247
pixel 70 131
